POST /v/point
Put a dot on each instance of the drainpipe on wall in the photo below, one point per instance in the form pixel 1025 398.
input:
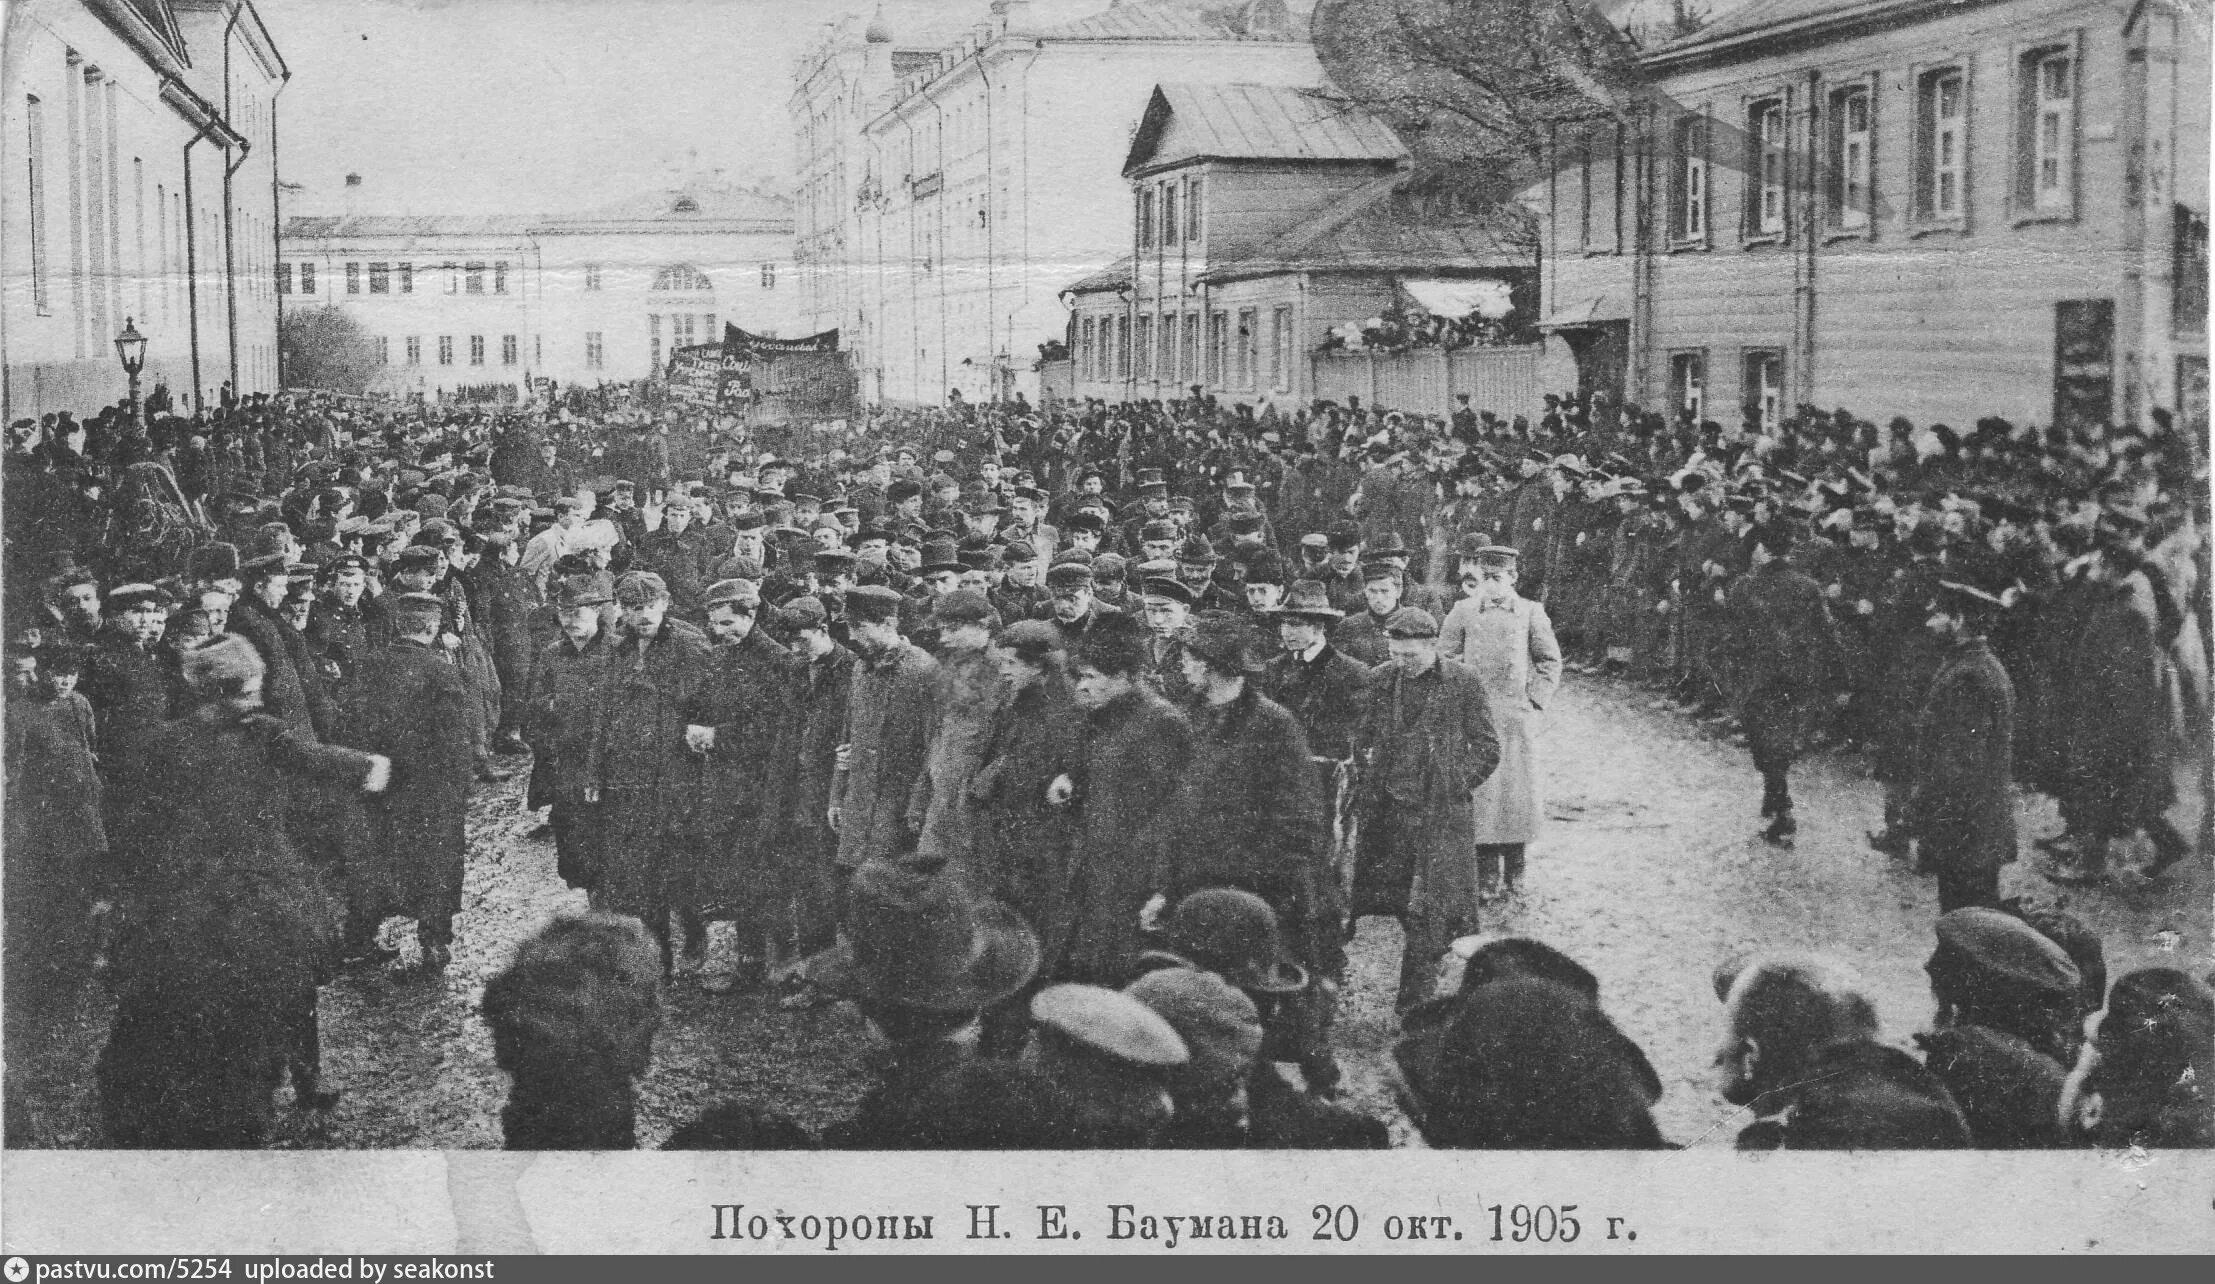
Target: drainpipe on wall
pixel 230 209
pixel 192 269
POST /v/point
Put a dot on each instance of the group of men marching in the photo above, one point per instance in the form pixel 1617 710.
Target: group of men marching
pixel 1225 724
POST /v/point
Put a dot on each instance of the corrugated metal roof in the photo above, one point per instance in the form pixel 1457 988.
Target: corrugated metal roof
pixel 1257 122
pixel 1376 229
pixel 1761 15
pixel 1113 277
pixel 1162 20
pixel 389 225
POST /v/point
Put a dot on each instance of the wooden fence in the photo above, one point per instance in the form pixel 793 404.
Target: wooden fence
pixel 1502 380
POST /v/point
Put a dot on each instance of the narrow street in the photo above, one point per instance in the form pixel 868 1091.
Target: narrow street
pixel 1651 873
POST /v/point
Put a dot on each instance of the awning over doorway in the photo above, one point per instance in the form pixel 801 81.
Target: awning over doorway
pixel 1595 309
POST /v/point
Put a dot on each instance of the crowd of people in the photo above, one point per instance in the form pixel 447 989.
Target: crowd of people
pixel 1069 744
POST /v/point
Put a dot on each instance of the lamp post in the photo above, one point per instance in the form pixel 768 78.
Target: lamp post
pixel 130 347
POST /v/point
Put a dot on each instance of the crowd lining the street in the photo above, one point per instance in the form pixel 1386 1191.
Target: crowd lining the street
pixel 1070 743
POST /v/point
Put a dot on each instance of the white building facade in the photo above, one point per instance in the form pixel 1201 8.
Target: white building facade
pixel 142 190
pixel 947 198
pixel 600 296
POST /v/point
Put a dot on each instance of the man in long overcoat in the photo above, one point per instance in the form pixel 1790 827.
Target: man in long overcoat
pixel 1507 640
pixel 1425 744
pixel 559 717
pixel 415 710
pixel 807 761
pixel 1785 657
pixel 643 775
pixel 889 714
pixel 1134 752
pixel 970 695
pixel 1961 807
pixel 734 726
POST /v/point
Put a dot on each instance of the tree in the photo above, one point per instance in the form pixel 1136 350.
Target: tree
pixel 327 349
pixel 1477 87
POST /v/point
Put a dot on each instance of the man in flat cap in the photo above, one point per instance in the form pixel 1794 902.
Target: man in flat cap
pixel 561 710
pixel 639 769
pixel 732 727
pixel 890 711
pixel 413 708
pixel 1961 804
pixel 1786 659
pixel 1425 744
pixel 1507 640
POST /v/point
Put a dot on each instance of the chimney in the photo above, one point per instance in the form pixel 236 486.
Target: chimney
pixel 1014 15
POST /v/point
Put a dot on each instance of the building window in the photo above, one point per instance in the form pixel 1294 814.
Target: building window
pixel 500 277
pixel 538 350
pixel 407 278
pixel 473 276
pixel 1688 384
pixel 1189 351
pixel 415 349
pixel 1280 349
pixel 1764 389
pixel 1087 335
pixel 1688 211
pixel 453 277
pixel 380 278
pixel 35 158
pixel 1852 138
pixel 653 340
pixel 1169 226
pixel 1941 162
pixel 384 351
pixel 507 349
pixel 1123 335
pixel 680 331
pixel 1165 369
pixel 446 349
pixel 1218 349
pixel 476 349
pixel 1765 168
pixel 592 276
pixel 2048 141
pixel 1249 322
pixel 307 271
pixel 284 278
pixel 1142 346
pixel 595 354
pixel 768 276
pixel 683 276
pixel 1192 208
pixel 1146 218
pixel 353 278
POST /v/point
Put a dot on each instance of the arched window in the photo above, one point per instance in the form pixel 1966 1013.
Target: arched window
pixel 682 276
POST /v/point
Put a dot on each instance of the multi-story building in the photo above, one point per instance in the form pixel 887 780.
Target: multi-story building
pixel 1260 218
pixel 1931 208
pixel 143 192
pixel 979 176
pixel 606 294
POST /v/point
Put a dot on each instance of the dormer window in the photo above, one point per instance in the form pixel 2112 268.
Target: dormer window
pixel 685 205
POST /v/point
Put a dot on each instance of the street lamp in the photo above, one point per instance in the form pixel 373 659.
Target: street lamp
pixel 130 347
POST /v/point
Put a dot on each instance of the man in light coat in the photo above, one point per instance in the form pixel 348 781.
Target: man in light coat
pixel 1508 641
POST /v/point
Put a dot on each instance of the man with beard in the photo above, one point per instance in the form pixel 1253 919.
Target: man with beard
pixel 559 716
pixel 1076 613
pixel 733 727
